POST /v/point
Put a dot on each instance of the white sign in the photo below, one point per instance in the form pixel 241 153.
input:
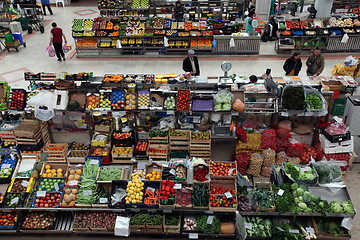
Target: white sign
pixel 305 169
pixel 294 231
pixel 280 229
pixel 6 166
pixel 210 219
pixel 172 171
pixel 14 200
pixel 177 186
pixel 57 188
pixel 228 195
pixel 280 192
pixel 87 192
pixel 103 200
pixel 310 230
pixel 73 182
pixel 41 193
pixel 95 162
pixel 151 189
pixel 193 235
pixel 24 183
pixel 231 170
pixel 248 225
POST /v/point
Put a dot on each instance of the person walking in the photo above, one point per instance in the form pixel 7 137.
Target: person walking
pixel 292 65
pixel 56 41
pixel 315 63
pixel 46 3
pixel 191 63
pixel 248 22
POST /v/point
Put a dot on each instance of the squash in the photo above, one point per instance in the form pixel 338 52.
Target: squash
pixel 227 228
pixel 238 105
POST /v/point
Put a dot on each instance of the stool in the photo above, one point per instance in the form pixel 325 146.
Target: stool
pixel 60 1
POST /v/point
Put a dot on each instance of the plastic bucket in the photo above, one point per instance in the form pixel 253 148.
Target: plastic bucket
pixel 18 36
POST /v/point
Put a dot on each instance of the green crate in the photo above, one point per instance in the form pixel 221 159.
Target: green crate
pixel 9 38
pixel 338 110
pixel 341 101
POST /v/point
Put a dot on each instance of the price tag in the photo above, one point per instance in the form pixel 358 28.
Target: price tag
pixel 73 182
pixel 165 165
pixel 193 235
pixel 12 156
pixel 210 219
pixel 41 193
pixel 280 192
pixel 294 231
pixel 151 189
pixel 177 186
pixel 280 229
pixel 24 183
pixel 103 200
pixel 248 225
pixel 79 165
pixel 5 166
pixel 95 162
pixel 141 165
pixel 14 200
pixel 310 230
pixel 172 171
pixel 208 212
pixel 167 211
pixel 228 195
pixel 285 114
pixel 87 192
pixel 231 170
pixel 56 186
pixel 305 169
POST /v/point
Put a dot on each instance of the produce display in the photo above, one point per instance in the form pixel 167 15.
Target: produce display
pixel 38 220
pixel 105 100
pixel 293 98
pixel 169 103
pixel 134 189
pixel 18 99
pixel 50 184
pixel 109 174
pixel 222 169
pixel 13 200
pixel 51 172
pixel 183 100
pixel 50 200
pixel 223 100
pixel 118 99
pixel 314 101
pixel 258 227
pixel 200 195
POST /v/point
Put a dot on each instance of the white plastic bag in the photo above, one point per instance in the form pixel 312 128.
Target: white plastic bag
pixel 122 226
pixel 232 42
pixel 166 42
pixel 345 38
pixel 350 61
pixel 118 44
pixel 44 105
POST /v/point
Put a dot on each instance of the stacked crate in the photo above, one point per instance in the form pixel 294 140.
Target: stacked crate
pixel 28 132
pixel 45 132
pixel 200 148
pixel 56 152
pixel 179 143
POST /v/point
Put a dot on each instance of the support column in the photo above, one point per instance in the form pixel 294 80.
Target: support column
pixel 323 8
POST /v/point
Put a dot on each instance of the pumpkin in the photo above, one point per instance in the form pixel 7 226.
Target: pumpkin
pixel 227 228
pixel 238 105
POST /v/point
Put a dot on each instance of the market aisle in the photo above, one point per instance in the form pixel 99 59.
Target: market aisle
pixel 34 57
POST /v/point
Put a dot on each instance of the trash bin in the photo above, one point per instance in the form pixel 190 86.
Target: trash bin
pixel 9 38
pixel 19 37
pixel 24 23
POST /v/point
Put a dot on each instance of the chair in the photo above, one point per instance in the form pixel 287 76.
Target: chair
pixel 60 1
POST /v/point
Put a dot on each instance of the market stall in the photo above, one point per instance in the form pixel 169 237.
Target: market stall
pixel 327 33
pixel 176 158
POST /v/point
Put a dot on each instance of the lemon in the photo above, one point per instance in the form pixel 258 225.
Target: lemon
pixel 133 201
pixel 127 201
pixel 53 171
pixel 48 171
pixel 47 166
pixel 59 170
pixel 44 175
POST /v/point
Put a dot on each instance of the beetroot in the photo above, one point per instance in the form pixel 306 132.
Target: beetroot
pixel 242 161
pixel 283 133
pixel 295 150
pixel 241 133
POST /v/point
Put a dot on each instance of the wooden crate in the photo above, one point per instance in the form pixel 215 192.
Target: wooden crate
pixel 180 138
pixel 159 140
pixel 172 228
pixel 62 152
pixel 56 159
pixel 179 143
pixel 199 141
pixel 126 156
pixel 72 159
pixel 55 166
pixel 27 130
pixel 137 228
pixel 318 233
pixel 228 183
pixel 267 186
pixel 232 174
pixel 163 155
pixel 154 228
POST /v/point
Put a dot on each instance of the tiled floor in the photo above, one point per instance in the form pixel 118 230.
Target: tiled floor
pixel 34 58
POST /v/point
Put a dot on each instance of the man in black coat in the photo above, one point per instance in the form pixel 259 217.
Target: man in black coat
pixel 191 63
pixel 292 65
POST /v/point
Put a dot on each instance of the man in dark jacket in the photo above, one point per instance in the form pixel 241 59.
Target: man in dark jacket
pixel 178 12
pixel 191 63
pixel 315 63
pixel 292 65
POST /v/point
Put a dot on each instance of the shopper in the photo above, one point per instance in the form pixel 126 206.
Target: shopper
pixel 191 63
pixel 56 40
pixel 253 79
pixel 315 63
pixel 46 3
pixel 248 23
pixel 178 13
pixel 292 65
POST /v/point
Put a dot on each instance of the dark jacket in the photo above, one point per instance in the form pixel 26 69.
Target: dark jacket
pixel 187 65
pixel 290 64
pixel 179 13
pixel 315 65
